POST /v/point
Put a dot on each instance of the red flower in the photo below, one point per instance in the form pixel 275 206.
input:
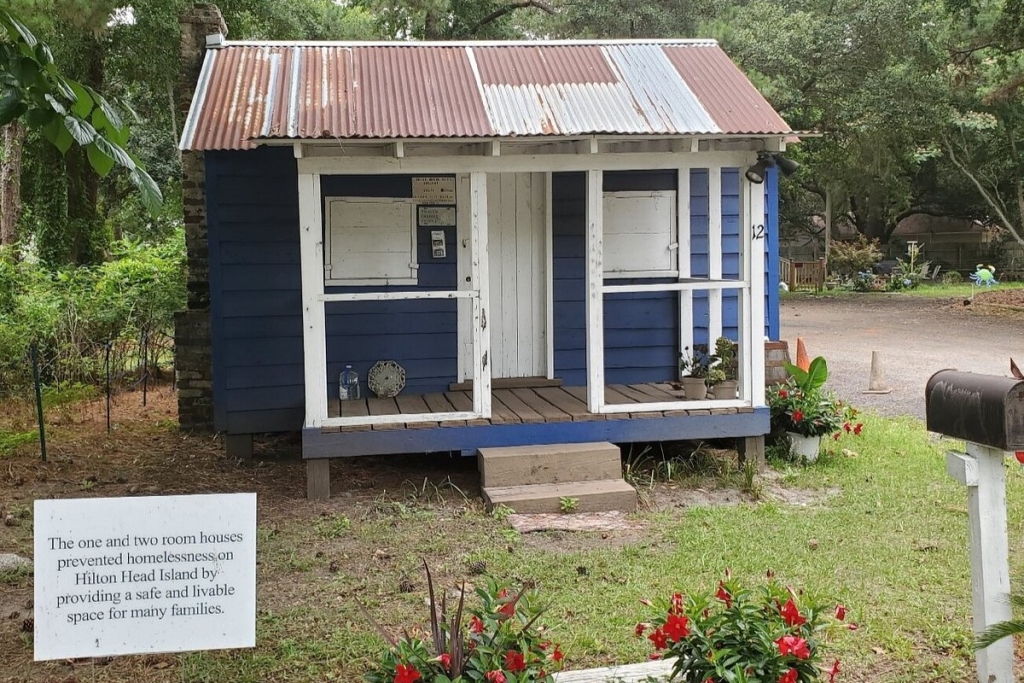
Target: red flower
pixel 798 415
pixel 640 628
pixel 783 393
pixel 723 595
pixel 676 627
pixel 794 645
pixel 503 593
pixel 508 609
pixel 858 428
pixel 446 661
pixel 677 604
pixel 847 427
pixel 791 615
pixel 557 655
pixel 406 674
pixel 833 672
pixel 514 661
pixel 788 677
pixel 476 625
pixel 654 655
pixel 840 612
pixel 659 639
pixel 494 677
pixel 837 435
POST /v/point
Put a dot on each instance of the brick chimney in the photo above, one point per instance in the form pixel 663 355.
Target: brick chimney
pixel 192 343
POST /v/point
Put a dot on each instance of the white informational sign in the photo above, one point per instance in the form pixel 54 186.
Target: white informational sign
pixel 437 216
pixel 440 189
pixel 117 576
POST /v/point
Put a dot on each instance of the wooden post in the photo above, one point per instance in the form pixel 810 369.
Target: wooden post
pixel 982 471
pixel 318 479
pixel 594 290
pixel 314 319
pixel 482 308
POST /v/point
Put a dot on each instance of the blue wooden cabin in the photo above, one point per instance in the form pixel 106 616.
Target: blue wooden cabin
pixel 532 232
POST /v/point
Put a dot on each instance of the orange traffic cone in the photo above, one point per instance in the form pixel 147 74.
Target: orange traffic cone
pixel 802 361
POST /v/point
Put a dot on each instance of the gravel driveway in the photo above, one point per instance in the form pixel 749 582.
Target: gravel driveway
pixel 916 337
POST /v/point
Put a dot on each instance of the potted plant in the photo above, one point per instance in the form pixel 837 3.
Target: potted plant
pixel 722 375
pixel 502 642
pixel 806 412
pixel 693 372
pixel 768 635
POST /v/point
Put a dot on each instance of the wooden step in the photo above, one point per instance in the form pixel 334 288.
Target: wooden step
pixel 548 464
pixel 591 496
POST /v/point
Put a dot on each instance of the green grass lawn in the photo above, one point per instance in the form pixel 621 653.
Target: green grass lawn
pixel 885 533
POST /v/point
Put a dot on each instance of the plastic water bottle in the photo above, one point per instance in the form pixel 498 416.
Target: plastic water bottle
pixel 348 384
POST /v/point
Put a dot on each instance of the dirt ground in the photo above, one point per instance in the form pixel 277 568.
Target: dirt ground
pixel 916 337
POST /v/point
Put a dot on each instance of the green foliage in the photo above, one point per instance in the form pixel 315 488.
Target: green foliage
pixel 71 314
pixel 65 112
pixel 502 641
pixel 802 405
pixel 767 635
pixel 848 257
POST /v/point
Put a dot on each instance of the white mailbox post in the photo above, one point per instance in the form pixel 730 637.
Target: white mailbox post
pixel 988 413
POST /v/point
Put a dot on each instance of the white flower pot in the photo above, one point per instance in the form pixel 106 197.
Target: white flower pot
pixel 726 389
pixel 806 447
pixel 695 387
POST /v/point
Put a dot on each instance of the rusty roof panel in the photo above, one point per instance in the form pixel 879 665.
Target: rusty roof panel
pixel 724 91
pixel 300 91
pixel 540 64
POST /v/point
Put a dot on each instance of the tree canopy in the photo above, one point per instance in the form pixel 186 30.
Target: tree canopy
pixel 915 107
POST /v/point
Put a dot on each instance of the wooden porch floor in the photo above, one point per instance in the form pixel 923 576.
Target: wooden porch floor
pixel 537 405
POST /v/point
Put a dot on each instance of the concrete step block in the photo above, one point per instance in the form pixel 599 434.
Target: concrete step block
pixel 548 464
pixel 591 496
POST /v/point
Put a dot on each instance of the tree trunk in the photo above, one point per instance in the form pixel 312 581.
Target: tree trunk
pixel 10 181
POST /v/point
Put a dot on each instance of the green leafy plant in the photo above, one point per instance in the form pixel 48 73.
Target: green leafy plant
pixel 697 364
pixel 771 634
pixel 849 258
pixel 500 643
pixel 568 504
pixel 1004 629
pixel 802 405
pixel 64 111
pixel 725 353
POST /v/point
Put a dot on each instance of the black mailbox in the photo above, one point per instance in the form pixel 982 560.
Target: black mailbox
pixel 985 409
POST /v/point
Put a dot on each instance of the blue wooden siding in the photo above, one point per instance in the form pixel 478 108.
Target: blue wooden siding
pixel 771 222
pixel 421 335
pixel 640 330
pixel 255 290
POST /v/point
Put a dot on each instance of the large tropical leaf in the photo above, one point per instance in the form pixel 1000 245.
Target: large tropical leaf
pixel 101 163
pixel 82 131
pixel 11 106
pixel 1003 629
pixel 811 379
pixel 152 198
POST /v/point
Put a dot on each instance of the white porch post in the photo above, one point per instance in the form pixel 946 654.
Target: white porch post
pixel 314 340
pixel 594 291
pixel 983 471
pixel 755 240
pixel 683 254
pixel 714 254
pixel 481 303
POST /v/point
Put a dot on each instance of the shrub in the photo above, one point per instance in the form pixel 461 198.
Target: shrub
pixel 740 635
pixel 72 314
pixel 501 643
pixel 951 277
pixel 848 258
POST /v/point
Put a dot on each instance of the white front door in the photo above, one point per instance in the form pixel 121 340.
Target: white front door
pixel 517 260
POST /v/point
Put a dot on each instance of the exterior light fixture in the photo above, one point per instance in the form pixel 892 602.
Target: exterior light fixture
pixel 756 173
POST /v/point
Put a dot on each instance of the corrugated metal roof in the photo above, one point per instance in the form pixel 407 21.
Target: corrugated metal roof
pixel 260 91
pixel 722 88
